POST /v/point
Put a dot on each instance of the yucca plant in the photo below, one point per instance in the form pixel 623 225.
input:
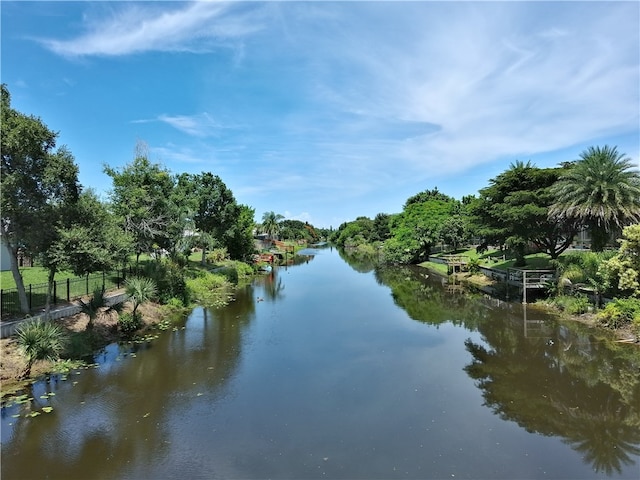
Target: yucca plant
pixel 140 290
pixel 40 341
pixel 98 302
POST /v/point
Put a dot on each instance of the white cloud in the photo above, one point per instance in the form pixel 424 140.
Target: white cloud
pixel 197 125
pixel 194 27
pixel 491 80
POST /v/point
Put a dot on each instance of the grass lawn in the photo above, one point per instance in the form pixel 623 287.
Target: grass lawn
pixel 31 275
pixel 502 260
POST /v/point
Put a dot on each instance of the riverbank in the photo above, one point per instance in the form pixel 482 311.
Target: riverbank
pixel 105 331
pixel 489 286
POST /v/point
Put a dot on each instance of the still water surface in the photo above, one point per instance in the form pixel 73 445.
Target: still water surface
pixel 331 369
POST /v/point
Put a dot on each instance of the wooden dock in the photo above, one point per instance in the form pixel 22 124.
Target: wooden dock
pixel 529 279
pixel 456 263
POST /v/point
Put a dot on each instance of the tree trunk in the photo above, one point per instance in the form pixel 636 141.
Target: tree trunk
pixel 15 271
pixel 50 280
pixel 26 373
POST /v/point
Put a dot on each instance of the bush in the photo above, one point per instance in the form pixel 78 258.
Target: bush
pixel 129 323
pixel 217 255
pixel 572 304
pixel 169 279
pixel 209 289
pixel 474 265
pixel 175 303
pixel 620 312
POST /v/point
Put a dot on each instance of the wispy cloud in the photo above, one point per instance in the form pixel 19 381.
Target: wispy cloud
pixel 129 29
pixel 490 80
pixel 198 125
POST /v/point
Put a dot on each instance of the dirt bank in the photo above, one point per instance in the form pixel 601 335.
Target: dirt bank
pixel 105 328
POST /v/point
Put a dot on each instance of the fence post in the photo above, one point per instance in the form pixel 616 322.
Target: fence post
pixel 68 290
pixel 1 302
pixel 55 293
pixel 87 285
pixel 30 297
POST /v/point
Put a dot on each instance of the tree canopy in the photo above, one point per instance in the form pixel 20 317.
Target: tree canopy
pixel 37 184
pixel 513 210
pixel 601 191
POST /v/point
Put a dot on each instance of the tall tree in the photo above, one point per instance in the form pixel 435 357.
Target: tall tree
pixel 513 210
pixel 92 239
pixel 418 228
pixel 239 238
pixel 141 197
pixel 216 210
pixel 271 223
pixel 601 191
pixel 36 181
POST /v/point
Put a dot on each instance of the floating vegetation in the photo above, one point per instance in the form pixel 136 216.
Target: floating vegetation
pixel 33 414
pixel 47 409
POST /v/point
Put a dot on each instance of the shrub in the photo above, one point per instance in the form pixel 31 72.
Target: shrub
pixel 175 303
pixel 217 255
pixel 572 304
pixel 129 323
pixel 169 279
pixel 474 265
pixel 209 289
pixel 620 312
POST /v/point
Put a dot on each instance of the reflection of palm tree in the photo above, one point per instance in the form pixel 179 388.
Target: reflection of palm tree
pixel 543 393
pixel 601 190
pixel 604 437
pixel 273 286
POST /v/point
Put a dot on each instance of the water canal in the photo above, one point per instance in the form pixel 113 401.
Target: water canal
pixel 333 369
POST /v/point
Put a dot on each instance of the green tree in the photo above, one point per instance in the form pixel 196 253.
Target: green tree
pixel 92 240
pixel 381 227
pixel 40 341
pixel 601 190
pixel 623 270
pixel 513 210
pixel 37 184
pixel 141 198
pixel 239 238
pixel 271 223
pixel 418 228
pixel 454 231
pixel 216 210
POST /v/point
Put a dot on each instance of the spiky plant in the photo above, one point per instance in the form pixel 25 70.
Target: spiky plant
pixel 140 290
pixel 40 341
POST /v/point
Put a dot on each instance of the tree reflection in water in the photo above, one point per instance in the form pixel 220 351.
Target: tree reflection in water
pixel 568 381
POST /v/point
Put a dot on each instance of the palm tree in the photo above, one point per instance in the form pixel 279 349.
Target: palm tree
pixel 140 290
pixel 270 223
pixel 40 341
pixel 601 190
pixel 96 305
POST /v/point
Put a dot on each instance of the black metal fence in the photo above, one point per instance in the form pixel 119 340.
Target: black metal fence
pixel 63 291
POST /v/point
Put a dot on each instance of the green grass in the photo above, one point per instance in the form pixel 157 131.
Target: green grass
pixel 536 261
pixel 502 260
pixel 30 275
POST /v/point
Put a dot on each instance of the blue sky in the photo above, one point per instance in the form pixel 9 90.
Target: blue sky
pixel 326 111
